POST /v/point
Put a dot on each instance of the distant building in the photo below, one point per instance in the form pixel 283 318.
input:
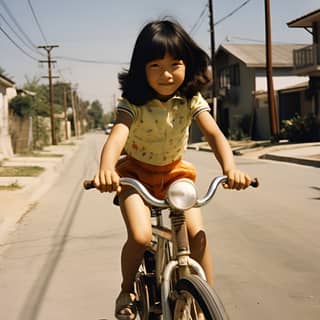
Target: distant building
pixel 306 60
pixel 5 140
pixel 241 85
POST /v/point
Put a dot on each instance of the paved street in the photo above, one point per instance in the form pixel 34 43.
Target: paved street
pixel 265 241
pixel 62 261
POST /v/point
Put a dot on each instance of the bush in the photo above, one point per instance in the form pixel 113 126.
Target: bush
pixel 21 106
pixel 301 129
pixel 242 131
pixel 237 134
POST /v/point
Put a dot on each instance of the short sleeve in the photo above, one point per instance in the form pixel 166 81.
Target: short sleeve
pixel 125 106
pixel 198 105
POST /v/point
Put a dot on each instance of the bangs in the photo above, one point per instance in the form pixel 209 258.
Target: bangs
pixel 161 44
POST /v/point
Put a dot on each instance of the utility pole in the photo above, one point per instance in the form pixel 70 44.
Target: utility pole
pixel 65 111
pixel 80 122
pixel 48 49
pixel 272 105
pixel 212 42
pixel 74 111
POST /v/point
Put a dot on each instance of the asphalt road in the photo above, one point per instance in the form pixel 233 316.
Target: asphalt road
pixel 62 262
pixel 266 241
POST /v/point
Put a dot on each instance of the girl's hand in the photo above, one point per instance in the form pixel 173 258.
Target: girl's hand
pixel 107 181
pixel 237 180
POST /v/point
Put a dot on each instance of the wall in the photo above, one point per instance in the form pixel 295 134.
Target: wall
pixel 20 129
pixel 5 141
pixel 279 82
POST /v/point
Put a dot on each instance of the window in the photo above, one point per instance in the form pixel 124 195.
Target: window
pixel 229 76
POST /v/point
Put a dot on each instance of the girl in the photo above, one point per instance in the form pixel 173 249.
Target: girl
pixel 160 97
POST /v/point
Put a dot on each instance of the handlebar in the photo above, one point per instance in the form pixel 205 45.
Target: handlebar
pixel 149 198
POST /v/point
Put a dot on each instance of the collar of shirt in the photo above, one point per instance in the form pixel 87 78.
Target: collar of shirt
pixel 157 102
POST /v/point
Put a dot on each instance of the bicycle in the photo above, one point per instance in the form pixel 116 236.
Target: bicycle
pixel 169 282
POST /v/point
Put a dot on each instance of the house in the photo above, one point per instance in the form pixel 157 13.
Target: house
pixel 5 141
pixel 306 60
pixel 241 85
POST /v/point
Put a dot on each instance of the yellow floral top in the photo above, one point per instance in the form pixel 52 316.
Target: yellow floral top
pixel 159 133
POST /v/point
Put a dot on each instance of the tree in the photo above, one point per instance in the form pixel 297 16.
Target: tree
pixel 22 106
pixel 59 89
pixel 109 117
pixel 40 102
pixel 95 113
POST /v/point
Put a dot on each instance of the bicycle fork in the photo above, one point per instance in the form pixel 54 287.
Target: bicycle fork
pixel 182 260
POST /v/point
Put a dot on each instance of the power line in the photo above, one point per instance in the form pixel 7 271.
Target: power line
pixel 230 37
pixel 232 12
pixel 37 22
pixel 90 60
pixel 17 24
pixel 17 35
pixel 245 39
pixel 21 49
pixel 198 23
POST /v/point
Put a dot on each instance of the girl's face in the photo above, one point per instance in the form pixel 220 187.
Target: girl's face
pixel 166 75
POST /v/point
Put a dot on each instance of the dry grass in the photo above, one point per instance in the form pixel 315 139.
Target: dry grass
pixel 20 171
pixel 11 187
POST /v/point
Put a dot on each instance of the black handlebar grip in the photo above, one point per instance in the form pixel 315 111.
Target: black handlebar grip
pixel 88 184
pixel 254 183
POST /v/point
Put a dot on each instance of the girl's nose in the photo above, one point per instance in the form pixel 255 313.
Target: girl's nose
pixel 167 74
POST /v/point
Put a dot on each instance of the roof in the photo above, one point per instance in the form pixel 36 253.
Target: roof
pixel 6 82
pixel 26 92
pixel 254 55
pixel 305 21
pixel 297 87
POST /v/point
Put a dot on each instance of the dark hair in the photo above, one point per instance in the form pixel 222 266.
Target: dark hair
pixel 154 41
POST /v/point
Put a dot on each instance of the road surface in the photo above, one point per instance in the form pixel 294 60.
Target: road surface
pixel 63 260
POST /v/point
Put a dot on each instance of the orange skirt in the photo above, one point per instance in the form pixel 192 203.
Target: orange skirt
pixel 155 178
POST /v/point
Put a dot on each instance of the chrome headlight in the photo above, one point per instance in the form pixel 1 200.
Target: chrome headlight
pixel 181 194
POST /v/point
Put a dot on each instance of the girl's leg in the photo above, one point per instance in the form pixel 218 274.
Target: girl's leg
pixel 138 222
pixel 198 242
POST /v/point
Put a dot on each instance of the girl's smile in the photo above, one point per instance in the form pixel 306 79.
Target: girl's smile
pixel 166 75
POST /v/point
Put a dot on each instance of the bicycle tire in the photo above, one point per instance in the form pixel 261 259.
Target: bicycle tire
pixel 143 294
pixel 193 290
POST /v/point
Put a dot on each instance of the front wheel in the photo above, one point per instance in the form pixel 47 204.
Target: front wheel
pixel 147 297
pixel 196 300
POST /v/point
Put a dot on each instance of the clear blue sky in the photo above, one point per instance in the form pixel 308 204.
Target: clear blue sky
pixel 104 31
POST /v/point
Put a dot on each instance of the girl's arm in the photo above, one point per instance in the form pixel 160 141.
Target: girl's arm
pixel 221 148
pixel 107 178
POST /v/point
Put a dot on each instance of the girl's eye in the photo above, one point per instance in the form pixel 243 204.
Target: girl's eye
pixel 154 65
pixel 177 63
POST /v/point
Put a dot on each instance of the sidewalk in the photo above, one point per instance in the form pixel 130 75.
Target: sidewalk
pixel 307 154
pixel 14 204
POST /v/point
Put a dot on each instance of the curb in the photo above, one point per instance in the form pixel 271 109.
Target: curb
pixel 33 192
pixel 300 161
pixel 47 179
pixel 260 153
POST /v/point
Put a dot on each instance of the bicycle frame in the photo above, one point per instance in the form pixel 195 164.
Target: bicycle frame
pixel 177 235
pixel 175 269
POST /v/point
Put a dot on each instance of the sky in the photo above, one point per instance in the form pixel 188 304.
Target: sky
pixel 95 38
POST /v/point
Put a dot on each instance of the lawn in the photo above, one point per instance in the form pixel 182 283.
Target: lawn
pixel 20 171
